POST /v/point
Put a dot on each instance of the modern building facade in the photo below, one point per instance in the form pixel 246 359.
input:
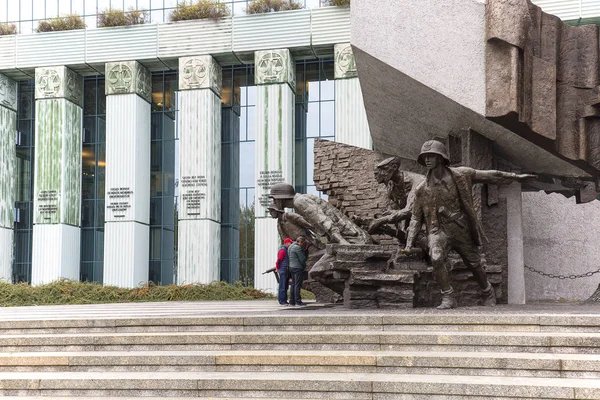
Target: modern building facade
pixel 146 152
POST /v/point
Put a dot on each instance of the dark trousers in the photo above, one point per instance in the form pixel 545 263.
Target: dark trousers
pixel 297 277
pixel 283 286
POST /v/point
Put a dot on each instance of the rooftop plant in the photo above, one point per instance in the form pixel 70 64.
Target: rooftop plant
pixel 112 17
pixel 62 23
pixel 8 29
pixel 202 9
pixel 336 2
pixel 267 6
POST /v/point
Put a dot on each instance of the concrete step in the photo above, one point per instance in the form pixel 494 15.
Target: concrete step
pixel 435 363
pixel 291 385
pixel 536 342
pixel 295 321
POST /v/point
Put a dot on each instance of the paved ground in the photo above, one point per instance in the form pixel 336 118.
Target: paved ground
pixel 265 307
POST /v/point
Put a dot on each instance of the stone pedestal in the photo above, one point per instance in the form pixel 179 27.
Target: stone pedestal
pixel 57 176
pixel 351 124
pixel 514 235
pixel 127 204
pixel 275 78
pixel 199 232
pixel 8 127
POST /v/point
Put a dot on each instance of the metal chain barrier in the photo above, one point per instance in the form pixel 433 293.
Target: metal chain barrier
pixel 585 275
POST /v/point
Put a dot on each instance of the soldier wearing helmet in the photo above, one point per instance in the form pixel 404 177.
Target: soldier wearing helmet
pixel 444 205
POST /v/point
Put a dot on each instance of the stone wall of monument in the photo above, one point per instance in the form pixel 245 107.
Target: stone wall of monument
pixel 560 238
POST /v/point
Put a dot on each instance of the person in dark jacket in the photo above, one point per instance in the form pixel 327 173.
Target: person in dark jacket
pixel 282 269
pixel 297 255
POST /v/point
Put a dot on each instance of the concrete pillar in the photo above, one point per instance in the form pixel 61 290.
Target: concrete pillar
pixel 199 237
pixel 514 239
pixel 351 125
pixel 127 204
pixel 57 175
pixel 274 74
pixel 8 128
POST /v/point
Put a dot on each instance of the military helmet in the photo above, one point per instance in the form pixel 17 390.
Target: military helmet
pixel 433 147
pixel 282 191
pixel 389 162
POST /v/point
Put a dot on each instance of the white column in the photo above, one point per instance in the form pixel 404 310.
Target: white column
pixel 514 238
pixel 57 175
pixel 351 125
pixel 274 73
pixel 127 204
pixel 199 229
pixel 8 128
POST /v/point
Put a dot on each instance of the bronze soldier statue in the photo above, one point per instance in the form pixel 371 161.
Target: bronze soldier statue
pixel 444 204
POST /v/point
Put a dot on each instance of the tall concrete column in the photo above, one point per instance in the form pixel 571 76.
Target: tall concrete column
pixel 199 237
pixel 127 204
pixel 351 125
pixel 8 127
pixel 274 74
pixel 514 240
pixel 57 175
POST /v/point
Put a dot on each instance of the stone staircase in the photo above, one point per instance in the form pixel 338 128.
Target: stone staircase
pixel 185 350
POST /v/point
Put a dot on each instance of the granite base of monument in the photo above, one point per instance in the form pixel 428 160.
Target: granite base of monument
pixel 371 276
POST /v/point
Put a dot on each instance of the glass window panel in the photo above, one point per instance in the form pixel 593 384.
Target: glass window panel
pixel 243 95
pixel 300 83
pixel 90 7
pixel 168 245
pixel 13 11
pixel 166 272
pixel 87 245
pixel 328 71
pixel 312 120
pixel 170 90
pixel 103 5
pixel 239 81
pixel 155 243
pixel 51 8
pixel 89 97
pixel 101 130
pixel 312 79
pixel 143 4
pixel 89 129
pixel 100 212
pixel 251 200
pixel 99 249
pixel 156 16
pixel 251 123
pixel 169 126
pixel 327 90
pixel 64 7
pixel 88 160
pixel 243 123
pixel 156 211
pixel 90 22
pixel 130 4
pixel 157 92
pixel 251 100
pixel 313 3
pixel 26 11
pixel 101 98
pixel 239 8
pixel 226 93
pixel 3 15
pixel 87 212
pixel 156 4
pixel 247 164
pixel 168 168
pixel 101 169
pixel 24 215
pixel 26 27
pixel 77 7
pixel 170 3
pixel 327 118
pixel 155 169
pixel 299 162
pixel 177 172
pixel 300 121
pixel 154 272
pixel 168 211
pixel 156 126
pixel 310 161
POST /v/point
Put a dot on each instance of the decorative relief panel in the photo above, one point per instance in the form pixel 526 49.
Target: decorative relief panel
pixel 58 82
pixel 8 92
pixel 345 64
pixel 128 77
pixel 200 72
pixel 274 66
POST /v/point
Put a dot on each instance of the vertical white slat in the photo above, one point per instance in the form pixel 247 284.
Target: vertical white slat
pixel 199 252
pixel 351 124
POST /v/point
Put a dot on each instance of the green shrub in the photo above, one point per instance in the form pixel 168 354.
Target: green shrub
pixel 71 292
pixel 267 6
pixel 336 2
pixel 8 29
pixel 111 17
pixel 202 9
pixel 63 23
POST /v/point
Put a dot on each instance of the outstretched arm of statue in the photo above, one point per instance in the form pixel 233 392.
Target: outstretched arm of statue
pixel 298 220
pixel 500 177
